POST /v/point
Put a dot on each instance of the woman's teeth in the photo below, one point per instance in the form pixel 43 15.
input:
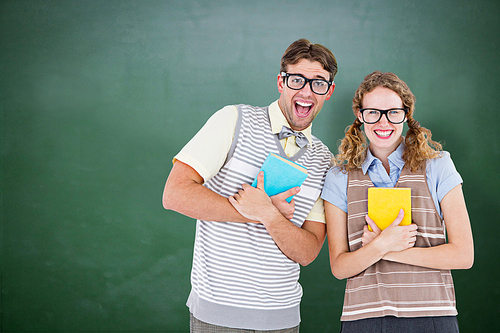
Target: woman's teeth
pixel 383 134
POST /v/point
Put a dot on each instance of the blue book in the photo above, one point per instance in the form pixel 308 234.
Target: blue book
pixel 280 175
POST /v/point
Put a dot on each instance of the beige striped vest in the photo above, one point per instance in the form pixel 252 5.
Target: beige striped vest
pixel 389 288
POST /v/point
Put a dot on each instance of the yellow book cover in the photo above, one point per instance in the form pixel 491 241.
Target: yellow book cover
pixel 384 204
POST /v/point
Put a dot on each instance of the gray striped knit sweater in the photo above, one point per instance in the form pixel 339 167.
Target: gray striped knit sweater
pixel 240 278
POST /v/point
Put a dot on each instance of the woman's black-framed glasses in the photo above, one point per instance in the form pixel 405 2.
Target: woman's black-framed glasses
pixel 395 115
pixel 297 82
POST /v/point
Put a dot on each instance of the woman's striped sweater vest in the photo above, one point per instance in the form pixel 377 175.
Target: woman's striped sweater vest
pixel 390 288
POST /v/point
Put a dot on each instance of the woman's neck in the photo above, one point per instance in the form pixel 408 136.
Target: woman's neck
pixel 382 153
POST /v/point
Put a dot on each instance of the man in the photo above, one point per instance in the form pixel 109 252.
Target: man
pixel 246 265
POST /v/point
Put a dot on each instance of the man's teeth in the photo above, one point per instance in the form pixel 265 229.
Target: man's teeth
pixel 304 104
pixel 384 133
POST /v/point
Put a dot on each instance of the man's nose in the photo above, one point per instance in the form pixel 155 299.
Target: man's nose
pixel 306 89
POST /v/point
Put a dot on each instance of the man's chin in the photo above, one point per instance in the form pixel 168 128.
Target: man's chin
pixel 301 124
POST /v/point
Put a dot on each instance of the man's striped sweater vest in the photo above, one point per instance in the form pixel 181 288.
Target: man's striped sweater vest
pixel 237 265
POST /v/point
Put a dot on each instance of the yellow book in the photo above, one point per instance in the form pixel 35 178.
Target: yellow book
pixel 384 204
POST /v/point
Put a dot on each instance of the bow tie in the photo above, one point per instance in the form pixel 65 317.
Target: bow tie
pixel 300 138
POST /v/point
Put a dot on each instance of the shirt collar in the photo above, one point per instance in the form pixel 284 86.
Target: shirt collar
pixel 396 158
pixel 277 120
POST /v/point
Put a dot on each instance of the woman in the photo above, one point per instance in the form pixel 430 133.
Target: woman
pixel 399 279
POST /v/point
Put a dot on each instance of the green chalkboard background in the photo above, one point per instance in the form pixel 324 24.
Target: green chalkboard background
pixel 96 97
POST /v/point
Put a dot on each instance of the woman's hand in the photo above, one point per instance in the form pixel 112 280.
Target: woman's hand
pixel 458 252
pixel 393 238
pixel 368 235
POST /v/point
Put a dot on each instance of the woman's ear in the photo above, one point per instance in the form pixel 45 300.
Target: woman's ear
pixel 359 116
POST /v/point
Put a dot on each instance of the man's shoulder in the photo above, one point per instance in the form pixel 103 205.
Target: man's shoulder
pixel 247 107
pixel 317 140
pixel 318 145
pixel 253 115
pixel 319 154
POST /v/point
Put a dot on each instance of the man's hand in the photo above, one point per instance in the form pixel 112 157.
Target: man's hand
pixel 279 200
pixel 253 202
pixel 301 245
pixel 184 193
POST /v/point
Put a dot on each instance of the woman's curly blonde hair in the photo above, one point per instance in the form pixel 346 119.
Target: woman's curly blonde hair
pixel 418 144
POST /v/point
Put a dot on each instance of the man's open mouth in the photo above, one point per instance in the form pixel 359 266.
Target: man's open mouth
pixel 303 108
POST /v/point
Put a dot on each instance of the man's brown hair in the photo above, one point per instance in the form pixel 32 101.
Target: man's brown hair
pixel 304 49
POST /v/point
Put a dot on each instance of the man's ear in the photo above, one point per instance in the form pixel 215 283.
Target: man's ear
pixel 330 91
pixel 280 83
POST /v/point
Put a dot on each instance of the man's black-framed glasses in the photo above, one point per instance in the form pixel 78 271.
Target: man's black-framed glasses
pixel 297 82
pixel 395 115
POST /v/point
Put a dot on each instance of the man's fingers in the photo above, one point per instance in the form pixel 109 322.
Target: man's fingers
pixel 260 180
pixel 288 193
pixel 233 200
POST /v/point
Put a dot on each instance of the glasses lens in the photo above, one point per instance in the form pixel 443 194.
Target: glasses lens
pixel 319 86
pixel 371 116
pixel 396 116
pixel 296 82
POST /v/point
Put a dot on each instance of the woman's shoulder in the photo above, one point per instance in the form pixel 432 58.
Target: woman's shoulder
pixel 442 175
pixel 441 162
pixel 335 188
pixel 337 173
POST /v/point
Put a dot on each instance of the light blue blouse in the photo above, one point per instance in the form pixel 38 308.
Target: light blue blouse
pixel 441 177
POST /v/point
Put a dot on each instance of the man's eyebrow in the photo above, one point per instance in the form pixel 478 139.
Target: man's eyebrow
pixel 318 76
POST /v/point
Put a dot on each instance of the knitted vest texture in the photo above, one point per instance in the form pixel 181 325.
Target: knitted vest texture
pixel 238 265
pixel 394 289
